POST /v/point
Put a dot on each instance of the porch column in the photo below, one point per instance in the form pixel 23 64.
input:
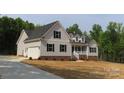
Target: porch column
pixel 74 48
pixel 87 51
pixel 81 49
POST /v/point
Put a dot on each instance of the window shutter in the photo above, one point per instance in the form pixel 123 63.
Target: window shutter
pixel 54 34
pixel 60 34
pixel 53 47
pixel 65 48
pixel 47 47
pixel 60 47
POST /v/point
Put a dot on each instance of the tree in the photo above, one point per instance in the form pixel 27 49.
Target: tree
pixel 106 46
pixel 10 30
pixel 114 30
pixel 120 45
pixel 74 29
pixel 96 34
pixel 110 42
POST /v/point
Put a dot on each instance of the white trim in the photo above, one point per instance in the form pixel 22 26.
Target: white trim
pixel 48 30
pixel 20 36
pixel 54 26
pixel 32 40
pixel 87 52
pixel 64 30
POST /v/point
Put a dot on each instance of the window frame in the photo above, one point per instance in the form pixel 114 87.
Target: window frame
pixel 76 38
pixel 82 39
pixel 92 49
pixel 57 34
pixel 63 48
pixel 50 47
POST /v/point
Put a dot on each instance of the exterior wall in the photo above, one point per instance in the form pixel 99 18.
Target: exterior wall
pixel 20 44
pixel 64 34
pixel 56 49
pixel 49 38
pixel 94 46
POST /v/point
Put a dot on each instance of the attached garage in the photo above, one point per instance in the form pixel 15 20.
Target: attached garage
pixel 33 52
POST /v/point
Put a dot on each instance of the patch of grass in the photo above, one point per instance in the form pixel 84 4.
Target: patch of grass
pixel 80 70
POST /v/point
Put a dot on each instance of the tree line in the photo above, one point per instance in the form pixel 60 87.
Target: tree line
pixel 10 30
pixel 110 40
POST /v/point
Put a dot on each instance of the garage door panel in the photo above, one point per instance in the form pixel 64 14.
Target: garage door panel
pixel 34 52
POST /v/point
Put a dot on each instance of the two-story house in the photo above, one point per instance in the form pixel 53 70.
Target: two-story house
pixel 52 42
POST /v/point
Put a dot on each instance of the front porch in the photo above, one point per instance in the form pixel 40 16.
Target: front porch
pixel 80 52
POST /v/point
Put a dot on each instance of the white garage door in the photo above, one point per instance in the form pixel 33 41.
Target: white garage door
pixel 34 52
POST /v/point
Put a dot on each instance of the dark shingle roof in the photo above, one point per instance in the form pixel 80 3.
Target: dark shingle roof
pixel 38 32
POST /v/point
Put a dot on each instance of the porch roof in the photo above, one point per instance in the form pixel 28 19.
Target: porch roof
pixel 79 44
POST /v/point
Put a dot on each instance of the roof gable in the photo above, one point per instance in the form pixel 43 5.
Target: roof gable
pixel 21 35
pixel 38 32
pixel 58 24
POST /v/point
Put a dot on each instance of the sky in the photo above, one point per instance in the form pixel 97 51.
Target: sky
pixel 85 21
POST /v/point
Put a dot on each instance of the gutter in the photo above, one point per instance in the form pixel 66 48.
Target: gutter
pixel 32 40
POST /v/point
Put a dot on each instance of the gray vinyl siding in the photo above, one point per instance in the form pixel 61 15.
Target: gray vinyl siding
pixel 56 52
pixel 49 38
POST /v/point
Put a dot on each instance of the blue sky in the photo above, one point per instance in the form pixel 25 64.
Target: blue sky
pixel 85 21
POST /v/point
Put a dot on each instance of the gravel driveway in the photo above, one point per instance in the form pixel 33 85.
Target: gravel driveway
pixel 11 68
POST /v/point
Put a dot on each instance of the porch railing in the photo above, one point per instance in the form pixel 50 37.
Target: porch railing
pixel 76 54
pixel 81 52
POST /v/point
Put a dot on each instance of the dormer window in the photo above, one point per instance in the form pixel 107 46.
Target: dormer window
pixel 76 38
pixel 57 34
pixel 82 39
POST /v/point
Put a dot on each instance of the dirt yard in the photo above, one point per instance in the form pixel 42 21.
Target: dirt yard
pixel 81 70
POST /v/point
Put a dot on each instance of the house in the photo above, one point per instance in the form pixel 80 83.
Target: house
pixel 52 42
